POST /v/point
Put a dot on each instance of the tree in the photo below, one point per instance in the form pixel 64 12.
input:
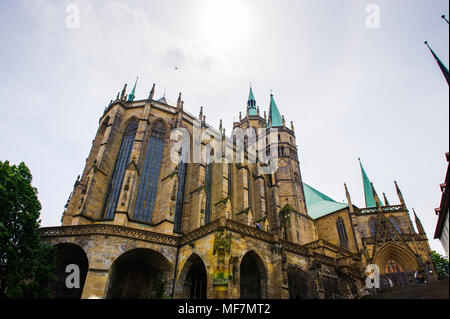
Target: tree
pixel 440 263
pixel 26 263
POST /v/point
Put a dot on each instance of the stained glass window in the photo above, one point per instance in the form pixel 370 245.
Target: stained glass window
pixel 148 184
pixel 115 183
pixel 395 223
pixel 373 226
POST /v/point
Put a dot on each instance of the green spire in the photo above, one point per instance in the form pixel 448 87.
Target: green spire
pixel 368 191
pixel 441 65
pixel 131 96
pixel 251 103
pixel 274 115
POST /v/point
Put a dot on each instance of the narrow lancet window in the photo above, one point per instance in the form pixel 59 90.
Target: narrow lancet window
pixel 342 232
pixel 208 176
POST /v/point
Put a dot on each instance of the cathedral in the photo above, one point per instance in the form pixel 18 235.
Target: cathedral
pixel 169 207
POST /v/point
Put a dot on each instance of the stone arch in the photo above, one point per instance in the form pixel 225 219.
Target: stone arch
pixel 160 121
pixel 69 254
pixel 139 273
pixel 252 276
pixel 192 282
pixel 400 254
pixel 297 282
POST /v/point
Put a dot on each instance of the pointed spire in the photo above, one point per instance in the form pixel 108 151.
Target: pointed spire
pixel 274 115
pixel 368 191
pixel 399 194
pixel 131 95
pixel 124 90
pixel 179 102
pixel 418 223
pixel 292 125
pixel 375 196
pixel 200 116
pixel 441 65
pixel 220 125
pixel 152 92
pixel 386 202
pixel 349 200
pixel 251 103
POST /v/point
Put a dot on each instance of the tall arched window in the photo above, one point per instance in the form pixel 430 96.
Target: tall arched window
pixel 230 181
pixel 148 184
pixel 208 177
pixel 373 226
pixel 182 168
pixel 395 223
pixel 341 230
pixel 115 183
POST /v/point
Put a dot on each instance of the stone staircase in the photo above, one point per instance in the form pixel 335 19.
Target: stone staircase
pixel 435 290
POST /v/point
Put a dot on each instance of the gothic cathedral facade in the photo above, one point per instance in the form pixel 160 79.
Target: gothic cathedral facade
pixel 141 225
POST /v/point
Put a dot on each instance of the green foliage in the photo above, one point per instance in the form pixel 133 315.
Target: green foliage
pixel 26 263
pixel 440 263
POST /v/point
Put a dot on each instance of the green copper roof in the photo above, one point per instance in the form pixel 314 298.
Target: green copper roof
pixel 441 65
pixel 274 114
pixel 251 103
pixel 251 96
pixel 368 192
pixel 319 204
pixel 131 95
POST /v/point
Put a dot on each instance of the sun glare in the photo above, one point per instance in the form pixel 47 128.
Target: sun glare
pixel 223 24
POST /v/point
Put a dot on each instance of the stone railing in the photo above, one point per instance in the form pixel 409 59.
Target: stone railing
pixel 325 259
pixel 405 237
pixel 386 209
pixel 295 248
pixel 327 245
pixel 109 230
pixel 202 231
pixel 249 231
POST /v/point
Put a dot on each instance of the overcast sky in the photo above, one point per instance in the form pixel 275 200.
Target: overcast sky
pixel 351 90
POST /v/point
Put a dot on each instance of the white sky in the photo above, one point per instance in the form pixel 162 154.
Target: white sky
pixel 350 90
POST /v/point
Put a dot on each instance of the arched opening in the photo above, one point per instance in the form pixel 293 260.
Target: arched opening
pixel 252 277
pixel 331 287
pixel 298 284
pixel 397 265
pixel 139 274
pixel 193 279
pixel 69 254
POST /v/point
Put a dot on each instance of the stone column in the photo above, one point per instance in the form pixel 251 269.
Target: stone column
pixel 95 284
